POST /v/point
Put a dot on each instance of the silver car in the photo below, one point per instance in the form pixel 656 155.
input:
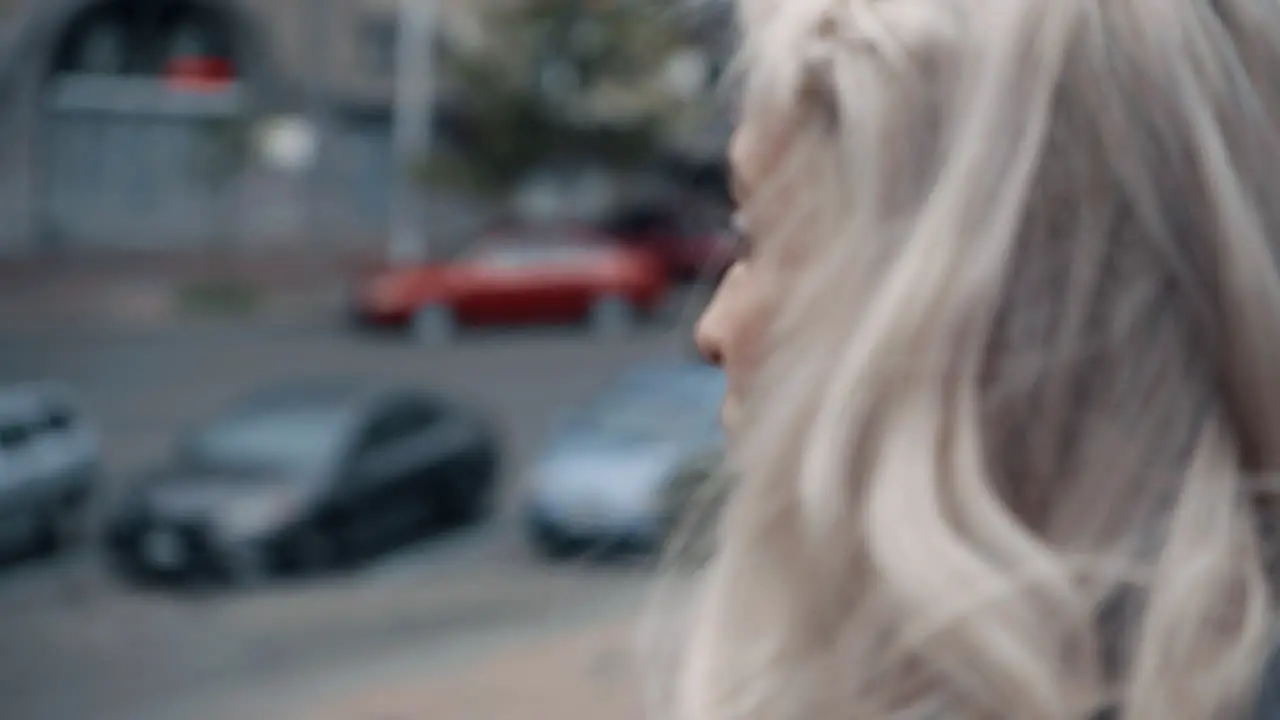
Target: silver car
pixel 304 476
pixel 49 457
pixel 605 478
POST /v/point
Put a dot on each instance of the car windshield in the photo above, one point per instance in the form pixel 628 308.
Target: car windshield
pixel 44 421
pixel 294 440
pixel 532 251
pixel 645 222
pixel 513 257
pixel 14 435
pixel 654 408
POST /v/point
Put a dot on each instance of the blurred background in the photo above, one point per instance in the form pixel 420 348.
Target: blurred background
pixel 345 358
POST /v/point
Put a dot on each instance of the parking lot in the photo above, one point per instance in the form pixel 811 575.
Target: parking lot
pixel 78 643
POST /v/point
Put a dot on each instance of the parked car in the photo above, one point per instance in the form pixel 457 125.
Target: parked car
pixel 606 477
pixel 690 249
pixel 49 460
pixel 304 477
pixel 523 277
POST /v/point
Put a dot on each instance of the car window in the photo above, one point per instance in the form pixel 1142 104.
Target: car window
pixel 645 406
pixel 399 422
pixel 514 258
pixel 57 419
pixel 535 252
pixel 422 415
pixel 512 261
pixel 14 436
pixel 289 439
pixel 38 420
pixel 645 222
pixel 581 257
pixel 645 417
pixel 395 424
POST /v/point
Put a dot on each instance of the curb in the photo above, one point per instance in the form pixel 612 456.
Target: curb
pixel 579 674
pixel 158 308
pixel 165 315
pixel 409 683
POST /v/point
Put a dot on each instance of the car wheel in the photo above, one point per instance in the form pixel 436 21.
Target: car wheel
pixel 464 503
pixel 66 528
pixel 434 323
pixel 313 552
pixel 611 316
pixel 62 528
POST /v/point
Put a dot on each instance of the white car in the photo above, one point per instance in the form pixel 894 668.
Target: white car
pixel 607 478
pixel 49 458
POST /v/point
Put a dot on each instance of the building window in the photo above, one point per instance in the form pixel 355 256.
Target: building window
pixel 190 39
pixel 128 37
pixel 102 50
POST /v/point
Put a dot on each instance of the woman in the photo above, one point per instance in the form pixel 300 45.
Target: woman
pixel 1002 347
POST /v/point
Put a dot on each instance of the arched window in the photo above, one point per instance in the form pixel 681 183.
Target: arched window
pixel 102 49
pixel 148 38
pixel 195 50
pixel 98 41
pixel 189 39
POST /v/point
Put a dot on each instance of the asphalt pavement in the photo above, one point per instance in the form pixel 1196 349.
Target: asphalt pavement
pixel 79 644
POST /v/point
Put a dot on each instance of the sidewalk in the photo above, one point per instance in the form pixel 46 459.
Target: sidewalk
pixel 585 674
pixel 154 290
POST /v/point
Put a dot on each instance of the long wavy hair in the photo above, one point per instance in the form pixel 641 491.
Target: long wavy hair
pixel 1008 454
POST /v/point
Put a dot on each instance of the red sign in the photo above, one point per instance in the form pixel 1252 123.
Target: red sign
pixel 199 74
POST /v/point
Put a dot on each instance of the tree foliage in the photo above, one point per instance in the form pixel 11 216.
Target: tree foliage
pixel 511 118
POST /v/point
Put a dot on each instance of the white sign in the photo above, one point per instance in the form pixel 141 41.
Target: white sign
pixel 288 143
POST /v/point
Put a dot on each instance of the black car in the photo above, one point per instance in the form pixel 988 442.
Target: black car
pixel 303 478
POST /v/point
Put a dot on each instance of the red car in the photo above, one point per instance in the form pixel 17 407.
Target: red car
pixel 518 279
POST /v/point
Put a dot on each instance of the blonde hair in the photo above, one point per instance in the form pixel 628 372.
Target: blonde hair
pixel 1004 458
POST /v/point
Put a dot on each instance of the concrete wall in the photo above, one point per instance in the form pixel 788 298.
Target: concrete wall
pixel 301 56
pixel 342 201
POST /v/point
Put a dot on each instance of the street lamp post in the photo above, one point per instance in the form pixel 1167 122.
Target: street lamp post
pixel 411 141
pixel 320 33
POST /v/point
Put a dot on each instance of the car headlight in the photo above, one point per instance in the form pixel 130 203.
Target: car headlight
pixel 255 515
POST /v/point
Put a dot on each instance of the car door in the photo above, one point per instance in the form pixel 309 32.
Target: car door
pixel 572 283
pixel 65 440
pixel 21 477
pixel 442 441
pixel 495 285
pixel 377 497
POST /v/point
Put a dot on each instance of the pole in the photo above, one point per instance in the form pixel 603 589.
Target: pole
pixel 320 26
pixel 411 141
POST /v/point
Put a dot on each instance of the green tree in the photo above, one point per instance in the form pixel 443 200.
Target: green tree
pixel 518 117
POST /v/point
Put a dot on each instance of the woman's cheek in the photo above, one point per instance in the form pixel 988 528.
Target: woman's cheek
pixel 754 311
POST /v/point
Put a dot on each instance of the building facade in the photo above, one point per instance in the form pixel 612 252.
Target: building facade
pixel 134 124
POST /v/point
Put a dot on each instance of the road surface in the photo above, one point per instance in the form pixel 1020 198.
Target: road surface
pixel 79 644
